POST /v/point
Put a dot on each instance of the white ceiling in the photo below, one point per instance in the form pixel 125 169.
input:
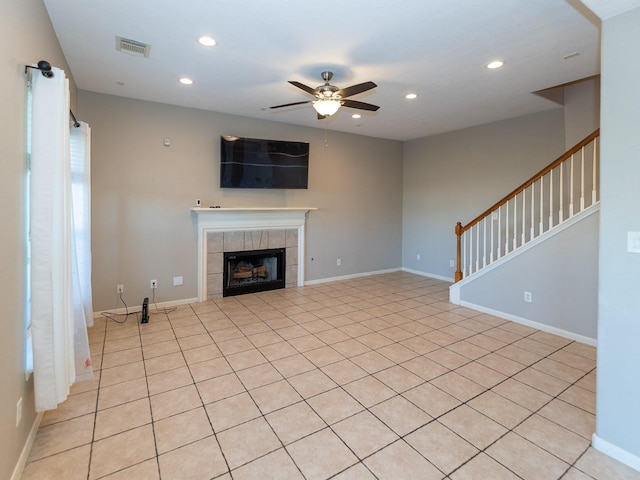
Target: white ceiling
pixel 610 8
pixel 436 48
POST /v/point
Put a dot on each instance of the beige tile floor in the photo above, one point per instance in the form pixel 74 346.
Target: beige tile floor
pixel 377 377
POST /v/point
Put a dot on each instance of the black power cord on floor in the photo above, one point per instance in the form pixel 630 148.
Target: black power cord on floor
pixel 113 316
pixel 166 311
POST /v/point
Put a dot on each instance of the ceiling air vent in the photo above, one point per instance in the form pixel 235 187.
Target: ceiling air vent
pixel 132 47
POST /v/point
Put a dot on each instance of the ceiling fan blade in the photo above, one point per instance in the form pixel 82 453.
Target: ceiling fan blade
pixel 290 104
pixel 302 86
pixel 359 105
pixel 355 89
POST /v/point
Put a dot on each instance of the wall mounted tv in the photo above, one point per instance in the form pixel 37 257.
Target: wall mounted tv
pixel 256 163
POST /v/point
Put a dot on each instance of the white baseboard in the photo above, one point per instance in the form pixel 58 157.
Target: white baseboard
pixel 430 275
pixel 24 455
pixel 137 308
pixel 530 323
pixel 349 277
pixel 613 451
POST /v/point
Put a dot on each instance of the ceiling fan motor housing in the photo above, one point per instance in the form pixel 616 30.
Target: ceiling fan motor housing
pixel 326 91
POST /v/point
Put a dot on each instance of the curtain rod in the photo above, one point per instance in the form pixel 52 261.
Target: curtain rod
pixel 45 69
pixel 75 122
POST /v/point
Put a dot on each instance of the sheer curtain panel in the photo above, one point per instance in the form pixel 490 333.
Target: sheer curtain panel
pixel 80 148
pixel 51 234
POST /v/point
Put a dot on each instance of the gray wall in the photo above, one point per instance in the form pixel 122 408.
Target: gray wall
pixel 562 275
pixel 142 192
pixel 581 110
pixel 26 36
pixel 455 176
pixel 618 388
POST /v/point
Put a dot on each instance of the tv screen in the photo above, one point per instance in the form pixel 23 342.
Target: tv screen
pixel 256 163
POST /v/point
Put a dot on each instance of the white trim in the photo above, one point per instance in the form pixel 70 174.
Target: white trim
pixel 137 308
pixel 349 277
pixel 430 275
pixel 26 450
pixel 531 323
pixel 246 219
pixel 621 455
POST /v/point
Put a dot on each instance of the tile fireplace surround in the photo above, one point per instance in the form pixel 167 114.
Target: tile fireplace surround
pixel 240 229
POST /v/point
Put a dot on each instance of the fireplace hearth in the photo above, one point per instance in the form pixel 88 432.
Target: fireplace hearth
pixel 253 271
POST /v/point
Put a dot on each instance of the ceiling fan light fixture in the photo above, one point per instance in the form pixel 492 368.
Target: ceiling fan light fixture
pixel 326 107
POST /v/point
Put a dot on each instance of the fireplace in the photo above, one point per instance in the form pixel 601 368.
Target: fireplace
pixel 253 271
pixel 241 229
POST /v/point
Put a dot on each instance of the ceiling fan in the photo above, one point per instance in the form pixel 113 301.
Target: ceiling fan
pixel 330 98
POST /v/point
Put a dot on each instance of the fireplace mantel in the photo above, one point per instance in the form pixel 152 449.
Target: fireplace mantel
pixel 247 219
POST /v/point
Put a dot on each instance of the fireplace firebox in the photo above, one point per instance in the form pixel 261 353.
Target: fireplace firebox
pixel 253 271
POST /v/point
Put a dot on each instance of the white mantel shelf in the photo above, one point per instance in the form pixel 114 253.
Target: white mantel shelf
pixel 252 209
pixel 247 218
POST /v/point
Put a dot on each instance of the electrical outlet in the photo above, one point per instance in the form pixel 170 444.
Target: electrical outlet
pixel 339 262
pixel 528 297
pixel 418 257
pixel 452 263
pixel 18 412
pixel 153 284
pixel 120 288
pixel 177 281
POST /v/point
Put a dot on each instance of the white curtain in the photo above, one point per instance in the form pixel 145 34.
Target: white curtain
pixel 51 236
pixel 80 160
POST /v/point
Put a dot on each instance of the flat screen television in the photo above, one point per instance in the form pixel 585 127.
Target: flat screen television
pixel 256 163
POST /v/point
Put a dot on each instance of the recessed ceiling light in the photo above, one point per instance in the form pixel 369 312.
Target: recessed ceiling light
pixel 356 115
pixel 495 64
pixel 411 96
pixel 186 81
pixel 206 41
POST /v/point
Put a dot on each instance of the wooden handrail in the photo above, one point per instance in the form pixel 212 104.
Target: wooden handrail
pixel 460 229
pixel 586 141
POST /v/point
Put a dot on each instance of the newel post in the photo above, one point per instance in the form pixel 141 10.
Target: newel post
pixel 458 275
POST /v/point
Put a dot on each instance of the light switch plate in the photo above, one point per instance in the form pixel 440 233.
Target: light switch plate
pixel 633 242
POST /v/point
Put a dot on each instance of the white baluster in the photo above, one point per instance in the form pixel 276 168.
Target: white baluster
pixel 470 250
pixel 464 254
pixel 532 233
pixel 515 222
pixel 561 183
pixel 477 246
pixel 541 223
pixel 499 231
pixel 484 244
pixel 493 227
pixel 582 180
pixel 524 217
pixel 594 193
pixel 550 200
pixel 571 190
pixel 506 229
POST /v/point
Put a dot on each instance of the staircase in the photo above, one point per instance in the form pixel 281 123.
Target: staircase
pixel 541 240
pixel 565 188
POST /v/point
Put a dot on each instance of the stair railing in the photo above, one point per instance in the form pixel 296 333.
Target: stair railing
pixel 550 197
